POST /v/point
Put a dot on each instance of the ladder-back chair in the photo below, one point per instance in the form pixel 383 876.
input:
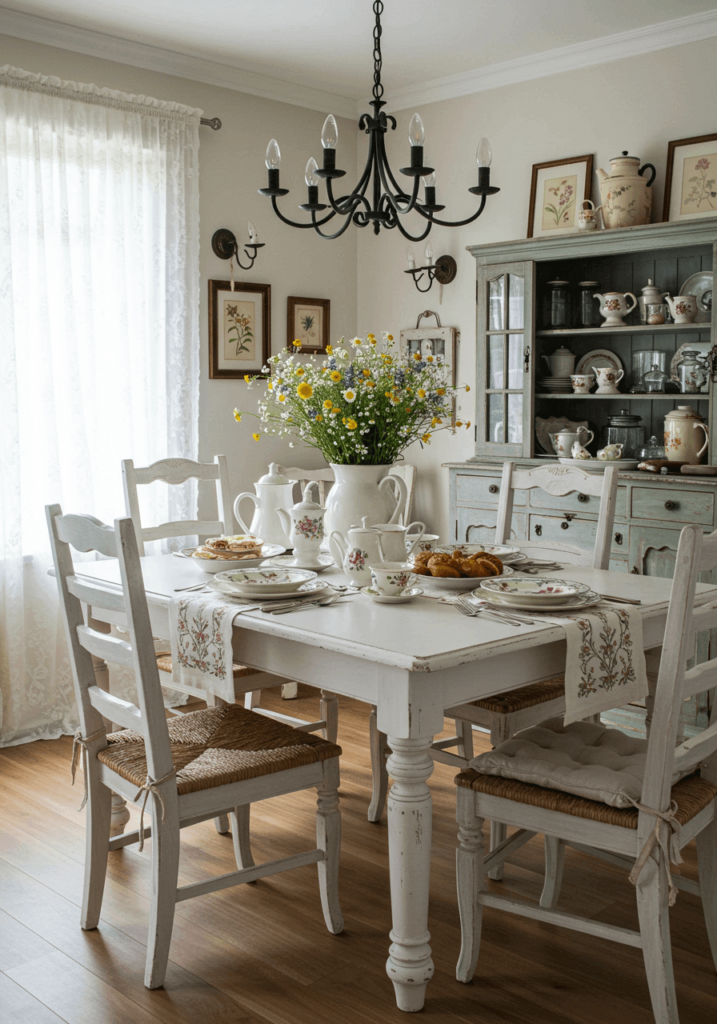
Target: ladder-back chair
pixel 194 767
pixel 641 831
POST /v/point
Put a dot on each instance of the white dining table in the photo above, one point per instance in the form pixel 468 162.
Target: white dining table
pixel 413 661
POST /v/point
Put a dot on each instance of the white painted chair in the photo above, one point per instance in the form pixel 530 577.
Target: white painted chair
pixel 625 837
pixel 506 713
pixel 173 767
pixel 407 473
pixel 324 477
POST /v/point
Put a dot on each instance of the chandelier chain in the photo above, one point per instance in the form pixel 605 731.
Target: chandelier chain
pixel 377 59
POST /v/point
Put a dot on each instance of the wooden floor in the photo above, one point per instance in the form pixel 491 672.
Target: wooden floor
pixel 260 953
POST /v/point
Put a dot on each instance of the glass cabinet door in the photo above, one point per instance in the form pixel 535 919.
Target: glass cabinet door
pixel 504 412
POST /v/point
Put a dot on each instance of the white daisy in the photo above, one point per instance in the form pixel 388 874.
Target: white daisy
pixel 349 395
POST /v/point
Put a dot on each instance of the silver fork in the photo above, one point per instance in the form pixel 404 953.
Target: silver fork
pixel 472 610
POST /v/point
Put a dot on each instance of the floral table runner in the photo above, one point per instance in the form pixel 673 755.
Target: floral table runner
pixel 201 643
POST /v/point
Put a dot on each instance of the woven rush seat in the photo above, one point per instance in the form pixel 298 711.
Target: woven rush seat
pixel 164 664
pixel 691 795
pixel 524 696
pixel 219 746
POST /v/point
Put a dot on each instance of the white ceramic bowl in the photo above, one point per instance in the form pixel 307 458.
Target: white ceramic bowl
pixel 270 580
pixel 538 591
pixel 215 565
pixel 464 583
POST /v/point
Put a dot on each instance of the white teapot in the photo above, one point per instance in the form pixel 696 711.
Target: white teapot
pixel 273 491
pixel 394 539
pixel 561 363
pixel 356 552
pixel 304 524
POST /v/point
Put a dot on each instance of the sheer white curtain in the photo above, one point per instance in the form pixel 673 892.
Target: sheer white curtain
pixel 99 329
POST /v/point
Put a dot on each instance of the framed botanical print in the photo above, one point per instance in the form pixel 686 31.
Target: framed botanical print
pixel 691 178
pixel 557 192
pixel 308 320
pixel 239 329
pixel 439 342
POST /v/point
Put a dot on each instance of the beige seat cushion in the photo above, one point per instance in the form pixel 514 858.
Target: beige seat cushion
pixel 219 746
pixel 585 759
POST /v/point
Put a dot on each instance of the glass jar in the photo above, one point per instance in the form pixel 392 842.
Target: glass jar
pixel 691 371
pixel 588 310
pixel 642 362
pixel 624 429
pixel 557 305
pixel 652 450
pixel 655 380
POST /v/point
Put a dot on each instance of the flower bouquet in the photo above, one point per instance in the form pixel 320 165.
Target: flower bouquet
pixel 360 406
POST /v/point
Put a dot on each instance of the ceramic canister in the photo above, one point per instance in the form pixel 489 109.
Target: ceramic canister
pixel 683 435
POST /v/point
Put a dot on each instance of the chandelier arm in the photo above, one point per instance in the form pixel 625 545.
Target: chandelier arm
pixel 336 234
pixel 454 223
pixel 353 200
pixel 382 165
pixel 410 237
pixel 389 172
pixel 295 223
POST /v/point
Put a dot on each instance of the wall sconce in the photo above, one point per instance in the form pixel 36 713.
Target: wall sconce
pixel 443 270
pixel 226 247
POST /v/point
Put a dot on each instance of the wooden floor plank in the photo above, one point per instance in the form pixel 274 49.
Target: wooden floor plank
pixel 19 1007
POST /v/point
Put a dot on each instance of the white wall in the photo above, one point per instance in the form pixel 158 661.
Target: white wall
pixel 638 105
pixel 232 168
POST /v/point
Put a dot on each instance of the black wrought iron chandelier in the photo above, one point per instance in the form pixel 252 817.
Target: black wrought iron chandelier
pixel 387 202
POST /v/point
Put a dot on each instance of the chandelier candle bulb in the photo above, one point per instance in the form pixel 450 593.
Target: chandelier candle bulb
pixel 410 257
pixel 310 176
pixel 273 156
pixel 428 251
pixel 253 236
pixel 484 157
pixel 330 133
pixel 416 131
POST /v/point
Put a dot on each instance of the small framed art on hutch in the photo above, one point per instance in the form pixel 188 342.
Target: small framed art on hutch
pixel 439 342
pixel 308 321
pixel 557 191
pixel 239 329
pixel 691 178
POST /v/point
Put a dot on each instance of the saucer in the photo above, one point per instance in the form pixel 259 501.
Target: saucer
pixel 288 562
pixel 407 595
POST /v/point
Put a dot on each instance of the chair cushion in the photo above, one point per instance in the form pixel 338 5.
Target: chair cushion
pixel 164 664
pixel 219 746
pixel 524 697
pixel 582 758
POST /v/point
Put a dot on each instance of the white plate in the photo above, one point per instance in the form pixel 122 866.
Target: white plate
pixel 700 285
pixel 407 595
pixel 503 551
pixel 288 562
pixel 312 587
pixel 255 582
pixel 585 600
pixel 598 357
pixel 598 465
pixel 539 591
pixel 464 583
pixel 214 565
pixel 544 427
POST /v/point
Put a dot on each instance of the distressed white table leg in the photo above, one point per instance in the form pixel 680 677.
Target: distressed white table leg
pixel 120 812
pixel 329 711
pixel 409 964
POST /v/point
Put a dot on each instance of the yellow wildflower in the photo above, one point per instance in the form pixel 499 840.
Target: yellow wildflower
pixel 328 404
pixel 372 339
pixel 270 386
pixel 367 373
pixel 389 337
pixel 435 421
pixel 282 398
pixel 467 388
pixel 440 391
pixel 330 350
pixel 319 417
pixel 395 399
pixel 280 380
pixel 429 359
pixel 247 378
pixel 421 393
pixel 417 356
pixel 426 438
pixel 370 384
pixel 370 335
pixel 300 371
pixel 237 416
pixel 256 436
pixel 296 343
pixel 468 424
pixel 459 423
pixel 335 375
pixel 351 424
pixel 335 411
pixel 304 390
pixel 388 394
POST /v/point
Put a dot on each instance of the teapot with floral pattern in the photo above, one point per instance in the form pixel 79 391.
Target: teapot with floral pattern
pixel 304 526
pixel 357 551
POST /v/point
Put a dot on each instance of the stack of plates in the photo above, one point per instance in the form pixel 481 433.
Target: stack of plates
pixel 538 594
pixel 560 385
pixel 266 584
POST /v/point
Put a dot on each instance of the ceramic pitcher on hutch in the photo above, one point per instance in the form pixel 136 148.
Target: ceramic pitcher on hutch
pixel 273 491
pixel 683 440
pixel 626 195
pixel 304 524
pixel 358 550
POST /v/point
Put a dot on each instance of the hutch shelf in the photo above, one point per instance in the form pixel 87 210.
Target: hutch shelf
pixel 511 341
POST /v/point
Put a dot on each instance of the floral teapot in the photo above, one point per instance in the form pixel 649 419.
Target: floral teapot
pixel 304 525
pixel 358 551
pixel 626 195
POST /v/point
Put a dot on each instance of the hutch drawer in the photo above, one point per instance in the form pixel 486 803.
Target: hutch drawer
pixel 576 502
pixel 579 533
pixel 477 525
pixel 483 490
pixel 681 506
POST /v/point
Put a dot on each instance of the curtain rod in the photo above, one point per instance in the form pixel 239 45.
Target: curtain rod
pixel 211 122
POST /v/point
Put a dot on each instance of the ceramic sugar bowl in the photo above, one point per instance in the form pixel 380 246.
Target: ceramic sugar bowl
pixel 304 525
pixel 610 453
pixel 683 437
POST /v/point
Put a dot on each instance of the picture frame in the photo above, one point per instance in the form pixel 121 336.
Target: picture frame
pixel 239 329
pixel 558 189
pixel 434 341
pixel 314 336
pixel 691 178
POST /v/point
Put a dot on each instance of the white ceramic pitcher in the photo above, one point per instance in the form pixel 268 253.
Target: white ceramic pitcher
pixel 363 491
pixel 358 550
pixel 394 539
pixel 304 524
pixel 273 491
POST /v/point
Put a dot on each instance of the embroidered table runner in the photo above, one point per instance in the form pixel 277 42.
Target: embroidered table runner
pixel 605 662
pixel 201 643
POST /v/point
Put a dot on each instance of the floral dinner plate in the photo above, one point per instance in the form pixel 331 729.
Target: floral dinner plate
pixel 537 592
pixel 268 580
pixel 311 587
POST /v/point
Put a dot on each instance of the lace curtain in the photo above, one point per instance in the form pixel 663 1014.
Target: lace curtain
pixel 99 328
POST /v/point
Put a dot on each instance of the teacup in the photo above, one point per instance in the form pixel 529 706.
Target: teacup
pixel 564 440
pixel 427 542
pixel 610 453
pixel 392 578
pixel 608 379
pixel 580 453
pixel 582 382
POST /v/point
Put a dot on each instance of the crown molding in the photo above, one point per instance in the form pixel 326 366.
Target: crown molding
pixel 621 46
pixel 170 62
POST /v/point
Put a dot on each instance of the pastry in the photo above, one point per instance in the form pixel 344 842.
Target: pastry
pixel 444 571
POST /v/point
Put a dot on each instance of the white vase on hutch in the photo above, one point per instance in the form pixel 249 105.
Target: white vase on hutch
pixel 363 491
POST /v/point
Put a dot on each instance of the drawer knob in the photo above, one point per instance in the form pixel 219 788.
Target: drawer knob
pixel 565 526
pixel 493 489
pixel 583 497
pixel 539 530
pixel 671 505
pixel 618 538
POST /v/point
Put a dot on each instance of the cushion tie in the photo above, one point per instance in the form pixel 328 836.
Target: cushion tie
pixel 670 852
pixel 79 746
pixel 150 786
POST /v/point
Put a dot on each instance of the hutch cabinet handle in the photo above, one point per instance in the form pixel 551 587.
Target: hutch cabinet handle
pixel 565 526
pixel 538 530
pixel 672 505
pixel 493 489
pixel 618 538
pixel 635 571
pixel 583 497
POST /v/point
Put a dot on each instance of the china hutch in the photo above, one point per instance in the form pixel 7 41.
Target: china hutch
pixel 513 336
